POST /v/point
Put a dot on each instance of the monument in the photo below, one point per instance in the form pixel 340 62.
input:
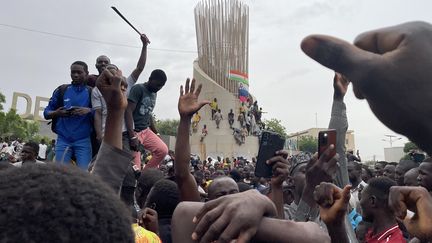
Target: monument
pixel 222 29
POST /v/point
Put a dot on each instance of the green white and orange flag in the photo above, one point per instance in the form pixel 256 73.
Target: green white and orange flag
pixel 239 77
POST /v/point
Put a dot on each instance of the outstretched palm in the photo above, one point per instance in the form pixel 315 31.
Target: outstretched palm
pixel 188 103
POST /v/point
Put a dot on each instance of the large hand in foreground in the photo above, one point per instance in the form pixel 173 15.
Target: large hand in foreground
pixel 188 103
pixel 333 202
pixel 391 68
pixel 109 84
pixel 235 216
pixel 417 200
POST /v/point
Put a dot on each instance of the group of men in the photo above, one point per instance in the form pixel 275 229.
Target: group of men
pixel 68 205
pixel 78 112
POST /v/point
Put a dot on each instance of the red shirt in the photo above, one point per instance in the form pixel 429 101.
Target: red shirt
pixel 393 235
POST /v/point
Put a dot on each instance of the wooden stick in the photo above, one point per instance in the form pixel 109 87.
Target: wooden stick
pixel 124 18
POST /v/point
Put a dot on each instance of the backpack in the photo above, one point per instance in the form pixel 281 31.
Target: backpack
pixel 60 91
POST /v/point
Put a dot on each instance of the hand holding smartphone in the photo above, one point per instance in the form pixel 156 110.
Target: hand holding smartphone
pixel 270 143
pixel 325 139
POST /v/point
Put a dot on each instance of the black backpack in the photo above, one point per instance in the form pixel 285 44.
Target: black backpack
pixel 60 91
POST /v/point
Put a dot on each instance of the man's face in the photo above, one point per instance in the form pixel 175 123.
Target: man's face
pixel 101 63
pixel 78 74
pixel 299 179
pixel 225 186
pixel 28 154
pixel 389 171
pixel 154 85
pixel 365 201
pixel 399 175
pixel 353 173
pixel 425 175
pixel 410 177
pixel 379 169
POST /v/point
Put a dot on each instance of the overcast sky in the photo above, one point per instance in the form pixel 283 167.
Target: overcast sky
pixel 289 85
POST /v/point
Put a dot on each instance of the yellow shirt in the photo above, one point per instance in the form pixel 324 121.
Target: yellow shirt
pixel 196 118
pixel 144 236
pixel 214 105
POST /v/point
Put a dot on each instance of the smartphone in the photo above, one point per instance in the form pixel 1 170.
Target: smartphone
pixel 270 143
pixel 72 108
pixel 325 139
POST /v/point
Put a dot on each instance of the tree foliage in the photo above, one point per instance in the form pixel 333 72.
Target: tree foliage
pixel 409 146
pixel 2 101
pixel 12 125
pixel 167 126
pixel 308 144
pixel 276 126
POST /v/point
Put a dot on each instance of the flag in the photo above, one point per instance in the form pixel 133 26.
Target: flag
pixel 243 84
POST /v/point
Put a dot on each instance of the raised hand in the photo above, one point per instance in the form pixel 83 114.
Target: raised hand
pixel 417 200
pixel 391 68
pixel 340 85
pixel 148 218
pixel 188 103
pixel 280 167
pixel 109 84
pixel 322 169
pixel 144 39
pixel 333 202
pixel 235 216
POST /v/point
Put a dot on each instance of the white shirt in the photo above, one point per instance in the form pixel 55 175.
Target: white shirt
pixel 354 200
pixel 98 102
pixel 42 151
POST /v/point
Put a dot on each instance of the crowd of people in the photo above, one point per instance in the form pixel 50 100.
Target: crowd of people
pixel 173 197
pixel 249 120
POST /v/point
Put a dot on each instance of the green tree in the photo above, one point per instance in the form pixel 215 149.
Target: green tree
pixel 308 144
pixel 276 126
pixel 409 146
pixel 2 101
pixel 167 126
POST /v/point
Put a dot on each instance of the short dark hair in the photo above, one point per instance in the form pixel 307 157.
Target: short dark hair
pixel 146 181
pixel 235 174
pixel 357 166
pixel 81 63
pixel 407 165
pixel 60 204
pixel 243 186
pixel 165 196
pixel 33 145
pixel 158 75
pixel 380 187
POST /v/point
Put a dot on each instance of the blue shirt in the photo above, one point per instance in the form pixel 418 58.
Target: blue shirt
pixel 72 128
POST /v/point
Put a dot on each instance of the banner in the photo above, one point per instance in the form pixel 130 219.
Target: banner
pixel 243 84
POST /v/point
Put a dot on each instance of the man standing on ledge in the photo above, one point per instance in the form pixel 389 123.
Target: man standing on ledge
pixel 71 114
pixel 140 123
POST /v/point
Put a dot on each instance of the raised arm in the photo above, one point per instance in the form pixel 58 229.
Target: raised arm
pixel 242 216
pixel 339 122
pixel 188 105
pixel 112 162
pixel 142 59
pixel 280 174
